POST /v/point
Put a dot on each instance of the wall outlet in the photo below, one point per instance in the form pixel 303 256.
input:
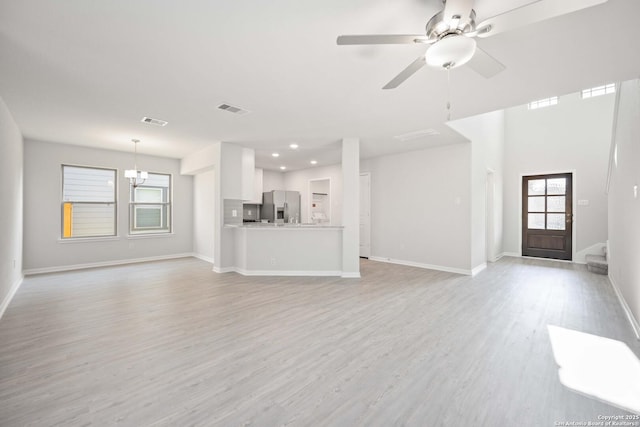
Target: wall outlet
pixel 249 212
pixel 273 261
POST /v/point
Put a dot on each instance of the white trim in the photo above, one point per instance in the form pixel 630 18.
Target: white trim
pixel 516 255
pixel 352 275
pixel 511 254
pixel 44 270
pixel 478 269
pixel 498 257
pixel 421 265
pixel 612 147
pixel 88 239
pixel 634 322
pixel 204 258
pixel 10 295
pixel 287 272
pixel 223 270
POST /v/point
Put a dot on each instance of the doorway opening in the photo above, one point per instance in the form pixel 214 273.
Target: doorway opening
pixel 547 217
pixel 320 201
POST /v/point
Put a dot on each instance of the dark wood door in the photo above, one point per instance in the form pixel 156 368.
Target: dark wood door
pixel 547 217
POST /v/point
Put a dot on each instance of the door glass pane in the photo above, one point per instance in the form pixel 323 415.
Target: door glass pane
pixel 555 221
pixel 536 204
pixel 536 187
pixel 536 221
pixel 555 204
pixel 557 186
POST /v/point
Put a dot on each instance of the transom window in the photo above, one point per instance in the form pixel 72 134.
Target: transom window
pixel 541 103
pixel 599 90
pixel 150 205
pixel 88 202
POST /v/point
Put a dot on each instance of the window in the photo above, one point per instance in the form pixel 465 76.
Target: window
pixel 88 202
pixel 541 103
pixel 150 205
pixel 599 90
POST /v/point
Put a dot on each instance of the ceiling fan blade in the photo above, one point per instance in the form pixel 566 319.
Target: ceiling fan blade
pixel 383 39
pixel 485 64
pixel 456 10
pixel 406 73
pixel 528 14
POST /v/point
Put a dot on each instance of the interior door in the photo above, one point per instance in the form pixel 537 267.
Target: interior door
pixel 365 215
pixel 547 217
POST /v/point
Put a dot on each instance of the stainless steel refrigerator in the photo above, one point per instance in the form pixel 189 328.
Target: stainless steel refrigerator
pixel 281 206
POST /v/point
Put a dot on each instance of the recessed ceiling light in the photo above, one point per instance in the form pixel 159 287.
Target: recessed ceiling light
pixel 293 146
pixel 283 167
pixel 275 154
pixel 314 162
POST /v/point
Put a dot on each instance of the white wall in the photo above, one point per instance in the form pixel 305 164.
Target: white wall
pixel 486 133
pixel 299 181
pixel 203 214
pixel 624 206
pixel 572 136
pixel 11 182
pixel 272 180
pixel 43 249
pixel 420 207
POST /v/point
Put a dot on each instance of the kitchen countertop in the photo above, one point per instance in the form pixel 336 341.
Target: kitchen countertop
pixel 286 226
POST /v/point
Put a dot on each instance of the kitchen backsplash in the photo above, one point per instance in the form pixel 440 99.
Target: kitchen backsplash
pixel 232 206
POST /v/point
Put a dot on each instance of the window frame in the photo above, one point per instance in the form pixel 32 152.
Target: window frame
pixel 134 230
pixel 85 203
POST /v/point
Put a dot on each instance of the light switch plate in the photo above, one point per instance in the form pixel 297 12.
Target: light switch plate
pixel 583 203
pixel 234 213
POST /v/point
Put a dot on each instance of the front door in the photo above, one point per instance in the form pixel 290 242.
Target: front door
pixel 547 216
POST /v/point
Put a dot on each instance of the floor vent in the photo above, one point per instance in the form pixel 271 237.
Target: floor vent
pixel 156 122
pixel 233 109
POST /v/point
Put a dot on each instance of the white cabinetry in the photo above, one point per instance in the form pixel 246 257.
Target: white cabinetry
pixel 257 188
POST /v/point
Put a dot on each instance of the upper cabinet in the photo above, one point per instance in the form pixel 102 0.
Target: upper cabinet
pixel 237 166
pixel 257 187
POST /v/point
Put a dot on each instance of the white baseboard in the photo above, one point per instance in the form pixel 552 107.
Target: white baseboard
pixel 497 257
pixel 203 258
pixel 421 265
pixel 61 268
pixel 287 273
pixel 478 269
pixel 352 275
pixel 634 322
pixel 7 299
pixel 224 270
pixel 511 254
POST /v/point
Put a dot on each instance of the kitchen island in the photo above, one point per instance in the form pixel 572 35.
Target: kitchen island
pixel 288 249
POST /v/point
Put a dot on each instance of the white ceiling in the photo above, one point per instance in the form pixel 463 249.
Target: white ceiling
pixel 85 72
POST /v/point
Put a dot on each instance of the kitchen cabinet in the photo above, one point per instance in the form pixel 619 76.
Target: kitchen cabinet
pixel 256 199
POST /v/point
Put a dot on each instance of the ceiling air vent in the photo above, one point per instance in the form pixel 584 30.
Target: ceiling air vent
pixel 417 134
pixel 233 109
pixel 156 122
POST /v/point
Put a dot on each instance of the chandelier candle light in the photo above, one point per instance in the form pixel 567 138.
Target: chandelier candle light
pixel 134 174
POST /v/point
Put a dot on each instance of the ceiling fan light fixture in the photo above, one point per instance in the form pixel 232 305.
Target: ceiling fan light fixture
pixel 451 51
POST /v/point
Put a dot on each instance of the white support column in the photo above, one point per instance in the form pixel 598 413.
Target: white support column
pixel 351 207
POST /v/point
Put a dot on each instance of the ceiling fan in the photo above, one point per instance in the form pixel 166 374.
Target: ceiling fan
pixel 451 34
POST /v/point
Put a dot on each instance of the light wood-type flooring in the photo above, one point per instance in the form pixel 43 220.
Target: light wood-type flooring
pixel 172 343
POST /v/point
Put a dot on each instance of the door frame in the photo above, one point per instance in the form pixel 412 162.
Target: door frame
pixel 574 225
pixel 310 198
